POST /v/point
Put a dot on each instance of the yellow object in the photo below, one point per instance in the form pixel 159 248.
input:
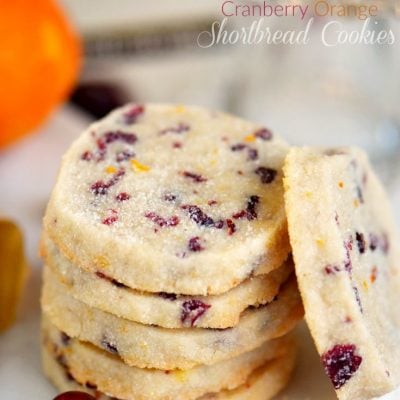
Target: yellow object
pixel 13 271
pixel 249 138
pixel 138 167
pixel 111 169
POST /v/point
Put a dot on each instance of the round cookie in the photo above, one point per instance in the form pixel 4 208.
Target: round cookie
pixel 165 198
pixel 147 346
pixel 86 363
pixel 347 263
pixel 164 309
pixel 262 384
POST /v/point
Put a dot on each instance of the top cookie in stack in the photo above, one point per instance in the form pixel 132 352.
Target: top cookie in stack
pixel 166 227
pixel 172 199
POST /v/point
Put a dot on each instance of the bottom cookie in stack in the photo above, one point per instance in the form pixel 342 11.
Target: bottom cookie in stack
pixel 74 365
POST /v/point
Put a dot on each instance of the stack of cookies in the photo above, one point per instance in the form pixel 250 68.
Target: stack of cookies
pixel 167 267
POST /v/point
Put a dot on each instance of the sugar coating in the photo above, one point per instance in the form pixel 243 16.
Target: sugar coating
pixel 262 384
pixel 112 376
pixel 164 309
pixel 346 258
pixel 175 199
pixel 147 346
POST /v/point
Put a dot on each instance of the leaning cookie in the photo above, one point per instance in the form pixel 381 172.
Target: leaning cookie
pixel 147 346
pixel 164 309
pixel 86 363
pixel 263 384
pixel 135 201
pixel 346 254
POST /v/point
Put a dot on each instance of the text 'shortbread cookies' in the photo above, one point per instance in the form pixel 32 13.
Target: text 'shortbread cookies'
pixel 347 263
pixel 172 199
pixel 165 309
pixel 155 347
pixel 87 363
pixel 263 384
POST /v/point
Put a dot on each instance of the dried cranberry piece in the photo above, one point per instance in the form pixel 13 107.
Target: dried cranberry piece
pixel 74 395
pixel 168 296
pixel 251 210
pixel 113 136
pixel 341 363
pixel 264 134
pixel 212 202
pixel 332 269
pixel 170 197
pixel 195 177
pixel 131 116
pixel 348 246
pixel 111 218
pixel 124 155
pixel 252 154
pixel 87 156
pixel 357 295
pixel 199 216
pixel 101 187
pixel 109 346
pixel 161 221
pixel 238 147
pixel 123 196
pixel 192 310
pixel 251 207
pixel 180 128
pixel 267 175
pixel 195 244
pixel 360 242
pixel 231 227
pixel 177 145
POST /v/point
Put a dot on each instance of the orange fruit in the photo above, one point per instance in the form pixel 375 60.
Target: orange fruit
pixel 39 62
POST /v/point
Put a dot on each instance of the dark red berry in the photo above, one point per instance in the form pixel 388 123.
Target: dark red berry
pixel 123 196
pixel 170 197
pixel 113 136
pixel 192 310
pixel 74 395
pixel 194 177
pixel 212 202
pixel 87 156
pixel 360 242
pixel 252 206
pixel 357 296
pixel 264 134
pixel 331 269
pixel 199 216
pixel 238 147
pixel 239 215
pixel 267 175
pixel 161 221
pixel 177 145
pixel 124 155
pixel 99 188
pixel 252 154
pixel 180 128
pixel 231 227
pixel 341 363
pixel 111 218
pixel 194 244
pixel 131 116
pixel 348 246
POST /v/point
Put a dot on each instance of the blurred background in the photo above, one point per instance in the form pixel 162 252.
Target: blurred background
pixel 66 63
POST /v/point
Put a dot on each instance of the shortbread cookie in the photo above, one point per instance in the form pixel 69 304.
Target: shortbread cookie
pixel 262 384
pixel 347 263
pixel 178 200
pixel 87 363
pixel 165 309
pixel 154 347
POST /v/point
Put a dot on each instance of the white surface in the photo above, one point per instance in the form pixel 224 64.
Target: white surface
pixel 27 173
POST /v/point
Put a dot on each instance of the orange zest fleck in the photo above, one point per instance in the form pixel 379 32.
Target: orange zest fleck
pixel 249 138
pixel 138 167
pixel 374 274
pixel 341 184
pixel 111 169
